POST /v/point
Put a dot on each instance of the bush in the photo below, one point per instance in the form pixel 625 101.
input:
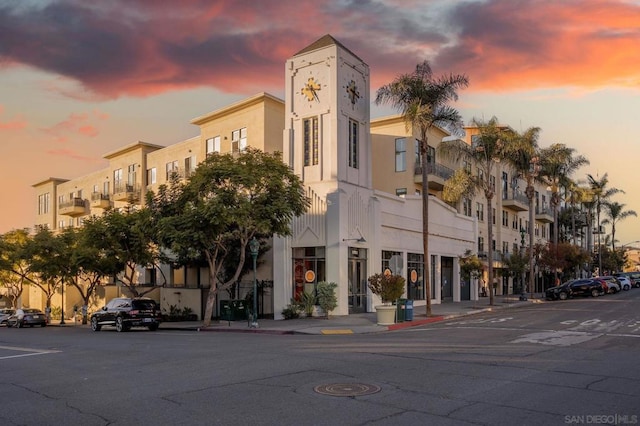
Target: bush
pixel 387 287
pixel 307 303
pixel 292 310
pixel 327 296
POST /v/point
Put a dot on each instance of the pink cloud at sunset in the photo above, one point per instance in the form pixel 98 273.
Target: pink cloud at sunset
pixel 79 79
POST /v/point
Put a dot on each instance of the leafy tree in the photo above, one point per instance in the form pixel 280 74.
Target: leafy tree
pixel 122 242
pixel 423 101
pixel 489 148
pixel 227 201
pixel 14 268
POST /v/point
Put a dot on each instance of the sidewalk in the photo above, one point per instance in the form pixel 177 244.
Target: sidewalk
pixel 356 323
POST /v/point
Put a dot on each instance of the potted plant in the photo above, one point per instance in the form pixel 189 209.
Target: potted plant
pixel 327 297
pixel 388 288
pixel 308 303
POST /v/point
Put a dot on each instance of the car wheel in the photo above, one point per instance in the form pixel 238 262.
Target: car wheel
pixel 595 292
pixel 44 324
pixel 563 296
pixel 120 325
pixel 626 288
pixel 94 324
pixel 153 327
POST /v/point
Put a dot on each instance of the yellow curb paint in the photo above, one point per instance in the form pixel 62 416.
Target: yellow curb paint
pixel 336 331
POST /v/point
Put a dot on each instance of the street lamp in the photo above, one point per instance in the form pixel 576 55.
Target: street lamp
pixel 254 246
pixel 62 305
pixel 523 294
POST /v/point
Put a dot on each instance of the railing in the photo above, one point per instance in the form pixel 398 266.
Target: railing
pixel 99 196
pixel 516 196
pixel 75 202
pixel 436 170
pixel 125 187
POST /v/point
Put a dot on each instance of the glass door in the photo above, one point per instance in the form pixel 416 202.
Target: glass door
pixel 357 280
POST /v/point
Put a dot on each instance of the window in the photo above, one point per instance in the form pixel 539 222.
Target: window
pixel 392 260
pixel 466 207
pixel 401 155
pixel 515 247
pixel 493 216
pixel 480 244
pixel 492 183
pixel 61 224
pixel 415 265
pixel 310 129
pixel 505 185
pixel 61 199
pixel 431 155
pixel 505 218
pixel 189 165
pixel 117 178
pixel 213 145
pixel 239 140
pixel 353 144
pixel 466 166
pixel 505 247
pixel 171 168
pixel 401 192
pixel 105 187
pixel 417 153
pixel 44 201
pixel 480 211
pixel 308 269
pixel 131 175
pixel 152 176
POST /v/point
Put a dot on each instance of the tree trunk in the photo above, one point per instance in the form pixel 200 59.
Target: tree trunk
pixel 425 224
pixel 530 194
pixel 492 284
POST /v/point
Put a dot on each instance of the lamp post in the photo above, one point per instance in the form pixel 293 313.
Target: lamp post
pixel 523 293
pixel 254 246
pixel 62 305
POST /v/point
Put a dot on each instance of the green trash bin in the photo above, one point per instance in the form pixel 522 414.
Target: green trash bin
pixel 233 310
pixel 401 305
pixel 225 310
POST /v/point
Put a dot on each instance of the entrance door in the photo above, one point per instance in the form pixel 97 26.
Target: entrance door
pixel 446 278
pixel 357 280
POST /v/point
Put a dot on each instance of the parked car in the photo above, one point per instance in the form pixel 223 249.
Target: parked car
pixel 625 280
pixel 612 282
pixel 586 287
pixel 124 313
pixel 27 316
pixel 561 291
pixel 5 313
pixel 606 289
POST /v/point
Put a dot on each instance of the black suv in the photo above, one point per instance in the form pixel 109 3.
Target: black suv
pixel 581 287
pixel 124 313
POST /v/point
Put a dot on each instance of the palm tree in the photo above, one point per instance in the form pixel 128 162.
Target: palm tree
pixel 424 103
pixel 526 162
pixel 601 196
pixel 616 212
pixel 487 148
pixel 558 164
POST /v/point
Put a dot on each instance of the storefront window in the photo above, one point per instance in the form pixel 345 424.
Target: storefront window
pixel 415 276
pixel 308 269
pixel 392 262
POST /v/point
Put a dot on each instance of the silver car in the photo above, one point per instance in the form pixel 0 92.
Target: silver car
pixel 5 313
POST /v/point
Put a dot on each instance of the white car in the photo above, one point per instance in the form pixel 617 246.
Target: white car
pixel 625 282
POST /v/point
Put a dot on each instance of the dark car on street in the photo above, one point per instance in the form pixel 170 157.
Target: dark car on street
pixel 580 287
pixel 124 313
pixel 27 317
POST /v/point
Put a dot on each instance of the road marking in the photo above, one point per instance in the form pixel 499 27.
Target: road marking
pixel 329 331
pixel 557 338
pixel 30 351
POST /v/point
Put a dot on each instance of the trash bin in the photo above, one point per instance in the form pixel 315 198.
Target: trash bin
pixel 225 310
pixel 233 310
pixel 408 310
pixel 400 305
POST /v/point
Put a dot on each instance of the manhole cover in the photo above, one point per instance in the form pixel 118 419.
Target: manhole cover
pixel 347 389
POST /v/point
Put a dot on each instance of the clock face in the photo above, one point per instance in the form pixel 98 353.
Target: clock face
pixel 310 90
pixel 353 92
pixel 353 89
pixel 309 85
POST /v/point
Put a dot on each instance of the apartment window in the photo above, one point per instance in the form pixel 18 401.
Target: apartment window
pixel 61 224
pixel 505 247
pixel 190 165
pixel 536 230
pixel 505 185
pixel 239 140
pixel 44 201
pixel 466 166
pixel 493 216
pixel 213 145
pixel 353 144
pixel 60 199
pixel 480 244
pixel 505 218
pixel 105 187
pixel 401 192
pixel 417 153
pixel 431 155
pixel 515 247
pixel 466 207
pixel 311 141
pixel 117 178
pixel 401 155
pixel 131 175
pixel 171 167
pixel 152 176
pixel 480 211
pixel 492 183
pixel 515 222
pixel 79 193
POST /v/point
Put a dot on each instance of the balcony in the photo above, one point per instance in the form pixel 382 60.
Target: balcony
pixel 100 200
pixel 438 175
pixel 74 207
pixel 544 215
pixel 515 201
pixel 126 192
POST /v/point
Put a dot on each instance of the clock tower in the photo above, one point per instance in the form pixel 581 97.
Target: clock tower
pixel 327 137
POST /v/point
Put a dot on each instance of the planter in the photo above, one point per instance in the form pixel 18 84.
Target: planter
pixel 386 314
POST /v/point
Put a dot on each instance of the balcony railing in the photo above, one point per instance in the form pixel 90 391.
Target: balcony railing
pixel 73 207
pixel 100 200
pixel 126 192
pixel 438 174
pixel 544 214
pixel 515 200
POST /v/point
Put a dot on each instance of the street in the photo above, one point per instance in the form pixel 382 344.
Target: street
pixel 564 362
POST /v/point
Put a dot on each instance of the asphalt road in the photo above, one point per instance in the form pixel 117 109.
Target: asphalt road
pixel 569 362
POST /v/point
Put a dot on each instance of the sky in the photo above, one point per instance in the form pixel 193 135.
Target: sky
pixel 79 79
